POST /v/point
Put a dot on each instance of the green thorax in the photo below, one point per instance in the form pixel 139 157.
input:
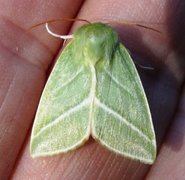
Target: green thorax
pixel 94 42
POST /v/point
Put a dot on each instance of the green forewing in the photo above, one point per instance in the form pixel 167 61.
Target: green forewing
pixel 95 89
pixel 122 120
pixel 61 121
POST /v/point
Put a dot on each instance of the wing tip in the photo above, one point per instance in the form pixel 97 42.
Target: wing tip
pixel 35 152
pixel 148 160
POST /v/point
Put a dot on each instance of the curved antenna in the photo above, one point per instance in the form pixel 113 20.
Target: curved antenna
pixel 60 20
pixel 65 37
pixel 134 24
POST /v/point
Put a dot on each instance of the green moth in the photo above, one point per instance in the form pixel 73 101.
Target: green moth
pixel 94 89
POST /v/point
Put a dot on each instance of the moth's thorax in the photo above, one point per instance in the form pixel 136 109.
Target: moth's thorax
pixel 95 42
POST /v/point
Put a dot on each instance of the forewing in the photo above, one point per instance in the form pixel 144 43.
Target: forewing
pixel 62 118
pixel 122 120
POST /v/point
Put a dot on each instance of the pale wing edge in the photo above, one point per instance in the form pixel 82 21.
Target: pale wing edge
pixel 143 92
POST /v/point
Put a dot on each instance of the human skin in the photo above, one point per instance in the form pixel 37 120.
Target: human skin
pixel 26 58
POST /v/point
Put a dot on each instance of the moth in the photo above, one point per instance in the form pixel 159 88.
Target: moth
pixel 94 90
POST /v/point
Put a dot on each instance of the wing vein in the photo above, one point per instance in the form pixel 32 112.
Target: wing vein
pixel 118 83
pixel 65 114
pixel 120 118
pixel 71 79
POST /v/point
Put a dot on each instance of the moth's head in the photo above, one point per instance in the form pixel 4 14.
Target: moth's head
pixel 95 41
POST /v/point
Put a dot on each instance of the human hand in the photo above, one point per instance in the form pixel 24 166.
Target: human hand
pixel 27 56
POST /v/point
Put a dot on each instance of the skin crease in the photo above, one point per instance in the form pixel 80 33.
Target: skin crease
pixel 27 56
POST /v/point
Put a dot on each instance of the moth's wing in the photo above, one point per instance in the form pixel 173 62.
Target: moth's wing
pixel 122 119
pixel 62 119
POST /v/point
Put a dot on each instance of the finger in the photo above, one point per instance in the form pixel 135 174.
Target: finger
pixel 171 160
pixel 24 60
